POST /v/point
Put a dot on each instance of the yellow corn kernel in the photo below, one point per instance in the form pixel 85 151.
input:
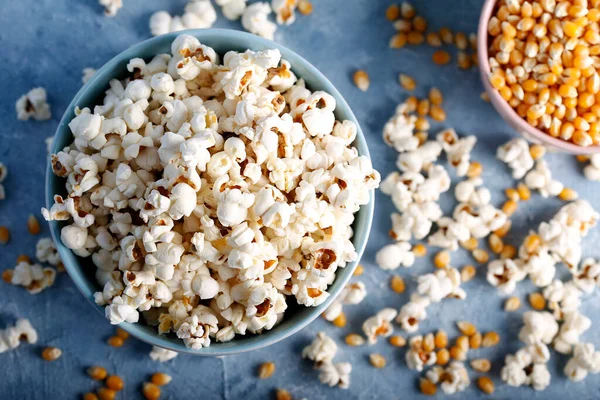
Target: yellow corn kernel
pixel 481 256
pixel 485 384
pixel 509 252
pixel 442 356
pixel 397 284
pixel 568 194
pixel 398 40
pixel 407 82
pixel 419 23
pixel 510 207
pixel 340 321
pixel 266 370
pixel 469 244
pixel 361 80
pixel 490 339
pixel 161 379
pixel 435 96
pixel 392 13
pixel 423 107
pixel 475 341
pixel 354 339
pixel 305 7
pixel 437 113
pixel 442 259
pixel 397 341
pixel 415 37
pixel 427 387
pixel 441 57
pixel 433 39
pixel 115 382
pixel 537 301
pixel 407 10
pixel 496 244
pixel 481 364
pixel 466 328
pixel 512 304
pixel 467 273
pixel 441 339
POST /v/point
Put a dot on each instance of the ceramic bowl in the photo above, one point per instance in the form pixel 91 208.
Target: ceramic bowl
pixel 504 109
pixel 82 270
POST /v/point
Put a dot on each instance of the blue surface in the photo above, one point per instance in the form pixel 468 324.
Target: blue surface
pixel 222 41
pixel 48 42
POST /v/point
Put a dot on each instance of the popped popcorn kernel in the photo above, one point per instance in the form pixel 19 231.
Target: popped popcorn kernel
pixel 33 105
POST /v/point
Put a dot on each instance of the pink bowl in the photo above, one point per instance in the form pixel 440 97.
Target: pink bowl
pixel 506 111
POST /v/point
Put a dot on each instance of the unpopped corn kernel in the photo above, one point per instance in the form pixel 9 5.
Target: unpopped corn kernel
pixel 377 360
pixel 361 80
pixel 524 192
pixel 397 284
pixel 496 244
pixel 106 394
pixel 305 7
pixel 466 328
pixel 485 384
pixel 51 353
pixel 407 82
pixel 469 244
pixel 512 194
pixel 481 364
pixel 481 256
pixel 490 339
pixel 122 333
pixel 435 96
pixel 115 382
pixel 537 301
pixel 282 394
pixel 467 273
pixel 441 339
pixel 33 225
pixel 151 391
pixel 7 275
pixel 442 259
pixel 359 270
pixel 340 320
pixel 354 339
pixel 462 342
pixel 419 250
pixel 475 341
pixel 537 151
pixel 509 251
pixel 398 40
pixel 512 304
pixel 23 258
pixel 441 57
pixel 568 194
pixel 457 353
pixel 504 229
pixel 90 396
pixel 4 235
pixel 510 207
pixel 475 170
pixel 392 12
pixel 397 341
pixel 427 387
pixel 97 373
pixel 116 341
pixel 266 370
pixel 442 356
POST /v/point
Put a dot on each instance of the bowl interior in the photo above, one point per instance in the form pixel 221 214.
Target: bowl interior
pixel 82 270
pixel 504 109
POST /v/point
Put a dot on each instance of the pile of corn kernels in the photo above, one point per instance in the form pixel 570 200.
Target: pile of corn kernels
pixel 544 57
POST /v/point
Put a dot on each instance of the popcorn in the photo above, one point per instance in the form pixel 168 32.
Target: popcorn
pixel 255 20
pixel 162 355
pixel 379 325
pixel 208 195
pixel 398 131
pixel 284 11
pixel 523 368
pixel 353 293
pixel 458 150
pixel 392 256
pixel 412 313
pixel 232 9
pixel 87 74
pixel 111 7
pixel 585 360
pixel 440 284
pixel 11 337
pixel 539 327
pixel 504 274
pixel 540 178
pixel 452 379
pixel 335 374
pixel 516 154
pixel 45 252
pixel 417 357
pixel 592 170
pixel 32 277
pixel 198 14
pixel 322 350
pixel 573 326
pixel 33 105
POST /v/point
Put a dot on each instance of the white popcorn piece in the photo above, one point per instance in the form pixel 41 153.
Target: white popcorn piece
pixel 379 325
pixel 418 358
pixel 539 327
pixel 32 277
pixel 33 105
pixel 521 369
pixel 439 285
pixel 592 170
pixel 585 360
pixel 198 14
pixel 232 9
pixel 516 155
pixel 11 337
pixel 255 20
pixel 111 7
pixel 505 274
pixel 321 350
pixel 87 74
pixel 284 11
pixel 412 313
pixel 540 179
pixel 335 374
pixel 162 355
pixel 458 150
pixel 573 326
pixel 398 132
pixel 45 252
pixel 452 379
pixel 392 256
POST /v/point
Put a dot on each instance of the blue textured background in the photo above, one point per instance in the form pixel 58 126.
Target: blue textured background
pixel 48 42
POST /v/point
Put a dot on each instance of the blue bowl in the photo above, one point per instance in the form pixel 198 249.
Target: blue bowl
pixel 222 40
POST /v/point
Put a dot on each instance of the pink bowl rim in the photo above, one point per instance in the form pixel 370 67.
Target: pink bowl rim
pixel 502 106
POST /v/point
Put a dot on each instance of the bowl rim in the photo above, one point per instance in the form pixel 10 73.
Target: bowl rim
pixel 503 108
pixel 359 238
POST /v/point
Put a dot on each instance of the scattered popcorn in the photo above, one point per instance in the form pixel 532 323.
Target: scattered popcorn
pixel 198 14
pixel 526 367
pixel 505 274
pixel 232 9
pixel 33 105
pixel 322 350
pixel 458 150
pixel 255 20
pixel 394 255
pixel 412 313
pixel 379 325
pixel 538 328
pixel 284 11
pixel 45 252
pixel 87 74
pixel 573 326
pixel 111 7
pixel 32 277
pixel 592 170
pixel 443 283
pixel 162 355
pixel 11 337
pixel 452 379
pixel 234 206
pixel 516 154
pixel 353 293
pixel 585 360
pixel 540 179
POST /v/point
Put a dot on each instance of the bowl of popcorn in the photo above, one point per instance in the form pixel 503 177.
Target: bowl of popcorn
pixel 538 61
pixel 210 191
